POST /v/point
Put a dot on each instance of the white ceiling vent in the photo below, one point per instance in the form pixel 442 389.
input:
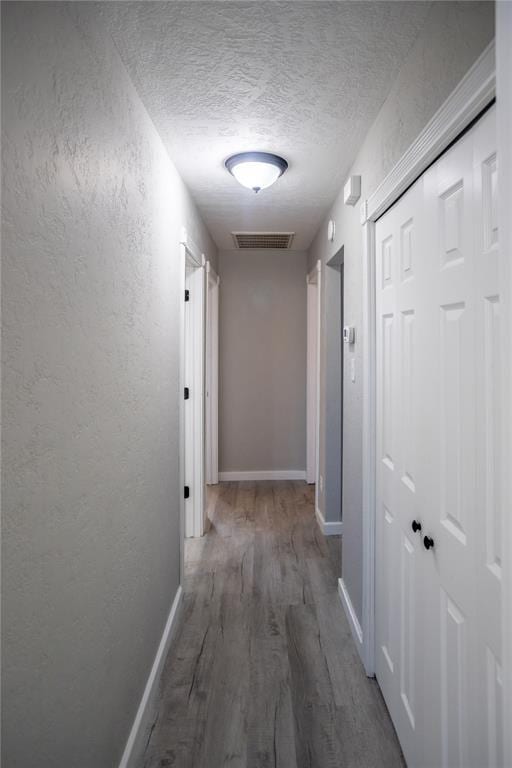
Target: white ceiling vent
pixel 263 239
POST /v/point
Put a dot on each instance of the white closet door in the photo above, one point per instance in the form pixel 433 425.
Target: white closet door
pixel 399 291
pixel 463 570
pixel 490 345
pixel 439 358
pixel 450 518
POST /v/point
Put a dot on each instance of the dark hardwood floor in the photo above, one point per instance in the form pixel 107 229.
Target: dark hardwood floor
pixel 263 671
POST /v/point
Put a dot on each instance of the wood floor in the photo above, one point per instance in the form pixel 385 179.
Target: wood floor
pixel 263 672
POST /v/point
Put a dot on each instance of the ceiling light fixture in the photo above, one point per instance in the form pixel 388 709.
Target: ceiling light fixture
pixel 256 170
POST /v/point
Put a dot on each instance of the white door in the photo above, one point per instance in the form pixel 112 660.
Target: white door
pixel 194 409
pixel 438 652
pixel 400 484
pixel 212 377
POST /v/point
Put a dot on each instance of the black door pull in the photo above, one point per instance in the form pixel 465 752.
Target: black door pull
pixel 416 526
pixel 428 542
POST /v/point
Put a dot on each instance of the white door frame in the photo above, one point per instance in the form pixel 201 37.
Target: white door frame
pixel 212 376
pixel 475 92
pixel 504 126
pixel 192 340
pixel 313 282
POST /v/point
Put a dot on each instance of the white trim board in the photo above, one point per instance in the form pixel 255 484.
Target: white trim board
pixel 263 474
pixel 328 528
pixel 476 90
pixel 194 254
pixel 141 727
pixel 355 626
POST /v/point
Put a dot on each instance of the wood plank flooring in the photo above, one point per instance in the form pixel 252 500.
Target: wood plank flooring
pixel 263 672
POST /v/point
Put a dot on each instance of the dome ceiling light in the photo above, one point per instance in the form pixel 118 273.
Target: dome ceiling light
pixel 256 170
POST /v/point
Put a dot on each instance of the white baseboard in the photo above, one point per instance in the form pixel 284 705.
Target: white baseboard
pixel 328 529
pixel 145 714
pixel 355 626
pixel 264 474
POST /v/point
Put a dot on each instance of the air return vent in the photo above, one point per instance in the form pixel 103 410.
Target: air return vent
pixel 263 239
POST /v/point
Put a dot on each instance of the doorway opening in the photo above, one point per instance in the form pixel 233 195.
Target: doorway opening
pixel 334 373
pixel 313 377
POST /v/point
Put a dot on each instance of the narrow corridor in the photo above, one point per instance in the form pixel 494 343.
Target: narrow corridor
pixel 256 384
pixel 263 670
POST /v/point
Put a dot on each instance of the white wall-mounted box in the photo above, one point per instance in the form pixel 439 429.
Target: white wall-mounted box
pixel 352 190
pixel 349 334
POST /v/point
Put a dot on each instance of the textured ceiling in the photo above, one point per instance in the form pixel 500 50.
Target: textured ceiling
pixel 302 79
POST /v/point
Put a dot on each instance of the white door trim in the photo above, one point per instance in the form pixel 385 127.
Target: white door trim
pixel 314 278
pixel 475 91
pixel 193 253
pixel 192 513
pixel 504 128
pixel 369 470
pixel 212 376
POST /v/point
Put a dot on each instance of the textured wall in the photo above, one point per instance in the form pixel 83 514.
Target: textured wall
pixel 303 79
pixel 92 213
pixel 453 37
pixel 262 408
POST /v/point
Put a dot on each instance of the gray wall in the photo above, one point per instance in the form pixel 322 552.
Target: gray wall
pixel 92 214
pixel 452 39
pixel 331 404
pixel 262 408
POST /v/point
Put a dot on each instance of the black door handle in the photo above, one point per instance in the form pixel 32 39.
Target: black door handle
pixel 428 542
pixel 416 526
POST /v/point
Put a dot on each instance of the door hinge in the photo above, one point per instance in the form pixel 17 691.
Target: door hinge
pixel 186 492
pixel 187 294
pixel 186 393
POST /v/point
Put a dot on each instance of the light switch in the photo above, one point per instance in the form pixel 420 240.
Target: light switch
pixel 352 369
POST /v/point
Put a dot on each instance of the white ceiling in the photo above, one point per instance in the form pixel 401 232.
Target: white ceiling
pixel 302 79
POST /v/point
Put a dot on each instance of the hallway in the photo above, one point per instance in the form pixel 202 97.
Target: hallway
pixel 263 670
pixel 256 356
